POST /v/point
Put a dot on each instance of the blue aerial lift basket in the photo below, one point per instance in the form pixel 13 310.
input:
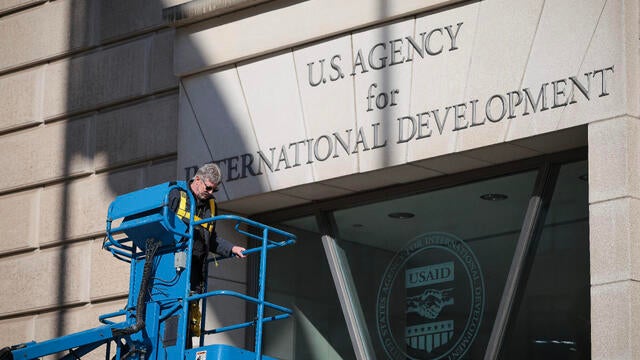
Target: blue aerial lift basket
pixel 143 231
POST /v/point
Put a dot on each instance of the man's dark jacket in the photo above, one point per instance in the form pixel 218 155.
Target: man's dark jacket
pixel 204 241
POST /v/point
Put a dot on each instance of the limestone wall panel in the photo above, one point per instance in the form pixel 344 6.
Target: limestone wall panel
pixel 137 132
pixel 12 5
pixel 123 17
pixel 450 68
pixel 615 311
pixel 554 58
pixel 109 276
pixel 55 324
pixel 18 221
pixel 631 14
pixel 17 330
pixel 45 279
pixel 337 90
pixel 161 62
pixel 214 42
pixel 604 58
pixel 163 171
pixel 222 130
pixel 375 179
pixel 46 153
pixel 191 141
pixel 614 155
pixel 272 97
pixel 250 205
pixel 451 164
pixel 95 79
pixel 495 66
pixel 614 247
pixel 79 208
pixel 318 191
pixel 44 31
pixel 501 153
pixel 394 82
pixel 20 98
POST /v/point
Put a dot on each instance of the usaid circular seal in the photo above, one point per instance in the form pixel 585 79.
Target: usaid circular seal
pixel 431 299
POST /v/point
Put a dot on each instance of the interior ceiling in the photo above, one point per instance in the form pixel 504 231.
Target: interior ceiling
pixel 460 211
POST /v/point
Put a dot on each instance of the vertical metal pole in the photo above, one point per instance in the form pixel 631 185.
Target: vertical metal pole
pixel 530 233
pixel 118 349
pixel 253 272
pixel 182 343
pixel 349 301
pixel 108 351
pixel 346 289
pixel 203 316
pixel 261 291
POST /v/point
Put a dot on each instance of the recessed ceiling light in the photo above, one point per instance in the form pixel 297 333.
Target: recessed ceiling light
pixel 494 197
pixel 401 215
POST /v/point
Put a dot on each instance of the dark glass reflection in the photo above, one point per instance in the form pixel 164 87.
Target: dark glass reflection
pixel 551 320
pixel 299 278
pixel 417 278
pixel 430 284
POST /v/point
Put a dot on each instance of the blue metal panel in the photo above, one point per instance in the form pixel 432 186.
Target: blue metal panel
pixel 221 352
pixel 139 201
pixel 90 337
pixel 144 215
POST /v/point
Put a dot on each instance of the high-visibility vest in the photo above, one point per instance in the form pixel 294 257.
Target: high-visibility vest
pixel 183 211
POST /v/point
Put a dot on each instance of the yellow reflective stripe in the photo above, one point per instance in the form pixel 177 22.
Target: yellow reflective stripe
pixel 184 214
pixel 212 206
pixel 182 207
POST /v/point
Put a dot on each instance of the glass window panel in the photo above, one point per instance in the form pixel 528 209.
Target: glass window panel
pixel 552 320
pixel 430 268
pixel 298 277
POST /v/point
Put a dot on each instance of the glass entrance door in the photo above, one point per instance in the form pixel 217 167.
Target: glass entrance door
pixel 427 275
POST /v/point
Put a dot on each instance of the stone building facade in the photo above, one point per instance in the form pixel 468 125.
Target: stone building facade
pixel 89 110
pixel 319 112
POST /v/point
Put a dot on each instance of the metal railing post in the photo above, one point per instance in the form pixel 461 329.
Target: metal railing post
pixel 261 291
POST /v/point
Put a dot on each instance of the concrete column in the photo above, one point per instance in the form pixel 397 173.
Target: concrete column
pixel 614 220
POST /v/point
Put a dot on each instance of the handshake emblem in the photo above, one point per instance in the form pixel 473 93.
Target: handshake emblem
pixel 430 303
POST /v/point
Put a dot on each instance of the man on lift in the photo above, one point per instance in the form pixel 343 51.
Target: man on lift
pixel 203 184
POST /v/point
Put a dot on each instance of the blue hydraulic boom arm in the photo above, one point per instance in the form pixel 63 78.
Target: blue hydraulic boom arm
pixel 156 321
